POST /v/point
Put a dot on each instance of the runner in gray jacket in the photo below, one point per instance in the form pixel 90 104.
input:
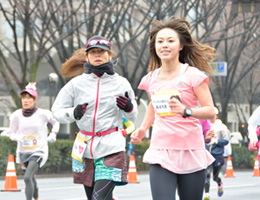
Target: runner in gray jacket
pixel 97 100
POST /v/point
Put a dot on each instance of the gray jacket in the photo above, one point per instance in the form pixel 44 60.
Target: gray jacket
pixel 101 113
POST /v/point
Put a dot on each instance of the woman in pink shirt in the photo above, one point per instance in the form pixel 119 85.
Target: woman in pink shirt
pixel 176 86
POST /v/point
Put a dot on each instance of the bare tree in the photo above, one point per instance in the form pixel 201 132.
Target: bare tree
pixel 37 38
pixel 61 27
pixel 233 36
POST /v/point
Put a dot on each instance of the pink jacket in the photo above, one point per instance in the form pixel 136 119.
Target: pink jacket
pixel 257 144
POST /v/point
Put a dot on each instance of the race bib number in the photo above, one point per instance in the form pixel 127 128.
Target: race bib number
pixel 79 147
pixel 30 142
pixel 160 100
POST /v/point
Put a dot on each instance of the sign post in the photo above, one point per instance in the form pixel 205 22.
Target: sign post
pixel 219 68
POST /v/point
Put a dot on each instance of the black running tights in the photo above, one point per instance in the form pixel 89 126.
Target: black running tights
pixel 216 177
pixel 165 183
pixel 102 190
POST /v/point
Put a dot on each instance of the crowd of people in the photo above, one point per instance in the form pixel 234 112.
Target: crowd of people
pixel 188 140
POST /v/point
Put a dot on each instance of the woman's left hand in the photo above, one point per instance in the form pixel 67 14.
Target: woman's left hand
pixel 176 106
pixel 124 103
pixel 137 136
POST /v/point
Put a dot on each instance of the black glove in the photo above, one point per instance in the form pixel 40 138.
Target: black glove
pixel 80 110
pixel 124 103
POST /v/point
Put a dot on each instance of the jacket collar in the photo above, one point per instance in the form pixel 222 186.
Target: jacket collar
pixel 99 70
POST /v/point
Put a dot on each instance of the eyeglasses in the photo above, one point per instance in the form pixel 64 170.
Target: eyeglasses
pixel 102 42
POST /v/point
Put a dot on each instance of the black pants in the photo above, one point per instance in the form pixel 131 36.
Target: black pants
pixel 165 183
pixel 216 170
pixel 103 189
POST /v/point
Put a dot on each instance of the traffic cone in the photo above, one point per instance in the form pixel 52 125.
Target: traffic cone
pixel 132 173
pixel 10 177
pixel 256 167
pixel 229 169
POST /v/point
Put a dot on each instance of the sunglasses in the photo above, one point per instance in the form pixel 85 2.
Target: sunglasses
pixel 102 42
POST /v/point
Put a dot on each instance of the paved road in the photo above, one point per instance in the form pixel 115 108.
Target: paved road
pixel 242 187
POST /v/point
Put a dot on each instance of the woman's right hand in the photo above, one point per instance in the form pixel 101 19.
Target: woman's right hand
pixel 16 137
pixel 80 110
pixel 137 136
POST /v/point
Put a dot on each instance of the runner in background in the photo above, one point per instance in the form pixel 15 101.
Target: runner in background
pixel 216 148
pixel 256 145
pixel 253 123
pixel 28 126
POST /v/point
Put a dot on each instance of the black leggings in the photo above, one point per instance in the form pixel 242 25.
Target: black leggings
pixel 165 183
pixel 216 177
pixel 102 190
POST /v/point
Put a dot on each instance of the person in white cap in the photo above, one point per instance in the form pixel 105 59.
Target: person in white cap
pixel 28 126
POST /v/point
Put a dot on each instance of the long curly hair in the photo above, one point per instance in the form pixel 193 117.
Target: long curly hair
pixel 74 65
pixel 194 53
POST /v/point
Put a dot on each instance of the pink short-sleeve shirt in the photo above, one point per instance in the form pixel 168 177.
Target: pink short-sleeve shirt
pixel 172 132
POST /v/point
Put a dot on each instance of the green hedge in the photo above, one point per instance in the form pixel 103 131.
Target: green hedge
pixel 242 158
pixel 6 147
pixel 59 160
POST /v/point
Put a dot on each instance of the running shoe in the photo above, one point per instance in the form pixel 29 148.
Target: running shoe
pixel 207 196
pixel 220 190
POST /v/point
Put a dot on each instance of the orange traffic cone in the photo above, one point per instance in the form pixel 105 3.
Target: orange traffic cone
pixel 10 177
pixel 256 167
pixel 132 173
pixel 229 169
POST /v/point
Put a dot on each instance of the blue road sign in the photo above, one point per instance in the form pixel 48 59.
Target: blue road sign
pixel 219 68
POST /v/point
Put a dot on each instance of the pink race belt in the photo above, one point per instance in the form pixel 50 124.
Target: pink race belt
pixel 101 133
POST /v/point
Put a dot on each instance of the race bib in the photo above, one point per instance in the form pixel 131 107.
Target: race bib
pixel 79 147
pixel 160 100
pixel 30 142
